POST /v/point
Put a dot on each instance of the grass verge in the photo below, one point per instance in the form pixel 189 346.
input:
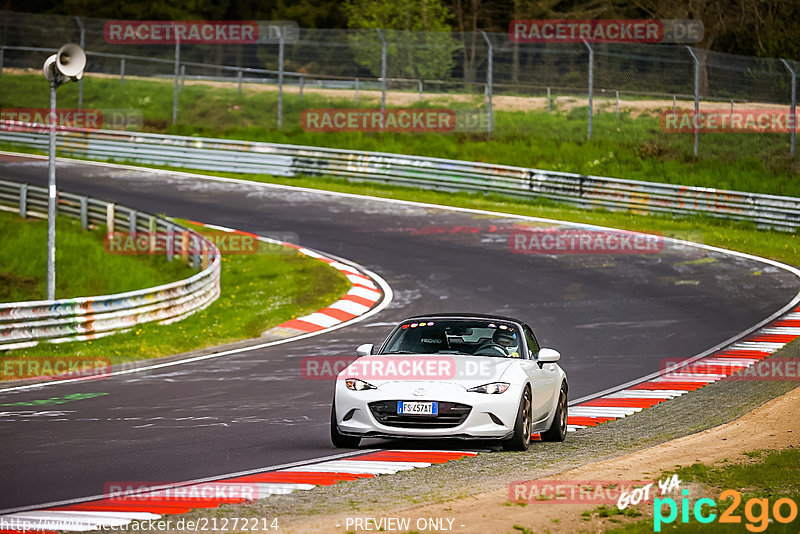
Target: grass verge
pixel 258 291
pixel 768 478
pixel 626 147
pixel 83 267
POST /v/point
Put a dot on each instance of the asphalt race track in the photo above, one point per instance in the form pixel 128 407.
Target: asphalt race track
pixel 613 318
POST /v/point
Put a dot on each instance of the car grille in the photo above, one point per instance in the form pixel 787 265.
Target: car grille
pixel 451 414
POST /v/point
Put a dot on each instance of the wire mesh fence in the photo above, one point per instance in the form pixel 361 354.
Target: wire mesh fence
pixel 409 68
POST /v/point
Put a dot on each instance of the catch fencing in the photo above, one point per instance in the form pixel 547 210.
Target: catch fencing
pixel 415 171
pixel 407 67
pixel 25 324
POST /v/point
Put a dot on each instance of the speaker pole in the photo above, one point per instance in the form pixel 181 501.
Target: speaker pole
pixel 52 196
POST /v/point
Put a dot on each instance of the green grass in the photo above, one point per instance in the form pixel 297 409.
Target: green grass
pixel 258 291
pixel 83 267
pixel 772 476
pixel 629 148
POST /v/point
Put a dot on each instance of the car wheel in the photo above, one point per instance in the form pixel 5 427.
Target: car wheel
pixel 558 430
pixel 521 439
pixel 338 439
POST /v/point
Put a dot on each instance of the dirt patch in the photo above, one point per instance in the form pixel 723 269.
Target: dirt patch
pixel 772 426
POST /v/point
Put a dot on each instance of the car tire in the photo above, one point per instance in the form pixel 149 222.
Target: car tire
pixel 558 429
pixel 338 439
pixel 521 439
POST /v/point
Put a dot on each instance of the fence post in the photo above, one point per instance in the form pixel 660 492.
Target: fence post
pixel 170 237
pixel 183 76
pixel 280 78
pixel 239 80
pixel 110 218
pixel 548 100
pixel 731 111
pixel 302 84
pixel 2 53
pixel 383 74
pixel 23 200
pixel 793 108
pixel 616 107
pixel 122 71
pixel 591 85
pixel 83 47
pixel 84 213
pixel 489 69
pixel 356 98
pixel 674 103
pixel 177 63
pixel 696 95
pixel 420 91
pixel 151 227
pixel 132 221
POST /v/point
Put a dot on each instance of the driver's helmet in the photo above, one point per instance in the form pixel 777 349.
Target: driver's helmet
pixel 505 338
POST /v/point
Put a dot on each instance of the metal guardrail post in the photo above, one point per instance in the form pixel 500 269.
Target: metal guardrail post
pixel 548 100
pixel 132 221
pixel 83 47
pixel 489 69
pixel 122 71
pixel 356 98
pixel 280 77
pixel 151 228
pixel 110 218
pixel 383 74
pixel 239 80
pixel 793 108
pixel 591 86
pixel 177 70
pixel 616 107
pixel 696 96
pixel 420 91
pixel 183 76
pixel 170 242
pixel 84 213
pixel 302 83
pixel 23 200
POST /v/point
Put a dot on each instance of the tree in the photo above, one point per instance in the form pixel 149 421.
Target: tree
pixel 419 42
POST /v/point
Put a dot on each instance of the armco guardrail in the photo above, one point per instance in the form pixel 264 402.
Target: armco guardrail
pixel 24 324
pixel 288 160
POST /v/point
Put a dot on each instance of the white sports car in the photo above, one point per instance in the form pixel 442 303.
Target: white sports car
pixel 452 376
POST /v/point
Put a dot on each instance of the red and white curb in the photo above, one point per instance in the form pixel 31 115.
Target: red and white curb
pixel 364 294
pixel 119 512
pixel 717 366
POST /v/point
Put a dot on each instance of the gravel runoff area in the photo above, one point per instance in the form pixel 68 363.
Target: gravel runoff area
pixel 708 407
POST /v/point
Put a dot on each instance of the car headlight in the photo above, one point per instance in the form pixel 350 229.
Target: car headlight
pixel 355 384
pixel 494 387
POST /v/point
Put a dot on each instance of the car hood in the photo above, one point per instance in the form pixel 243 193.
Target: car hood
pixel 467 371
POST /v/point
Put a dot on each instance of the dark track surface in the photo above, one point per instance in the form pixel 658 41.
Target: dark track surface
pixel 614 318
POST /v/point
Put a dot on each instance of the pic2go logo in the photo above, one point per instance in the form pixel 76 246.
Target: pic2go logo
pixel 756 511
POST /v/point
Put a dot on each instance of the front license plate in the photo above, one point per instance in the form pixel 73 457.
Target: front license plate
pixel 417 408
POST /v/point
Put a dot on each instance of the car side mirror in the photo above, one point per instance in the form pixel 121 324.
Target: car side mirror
pixel 548 356
pixel 364 350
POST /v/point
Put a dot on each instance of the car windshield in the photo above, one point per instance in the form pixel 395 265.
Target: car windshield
pixel 456 336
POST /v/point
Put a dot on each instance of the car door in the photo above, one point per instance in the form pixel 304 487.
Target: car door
pixel 543 378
